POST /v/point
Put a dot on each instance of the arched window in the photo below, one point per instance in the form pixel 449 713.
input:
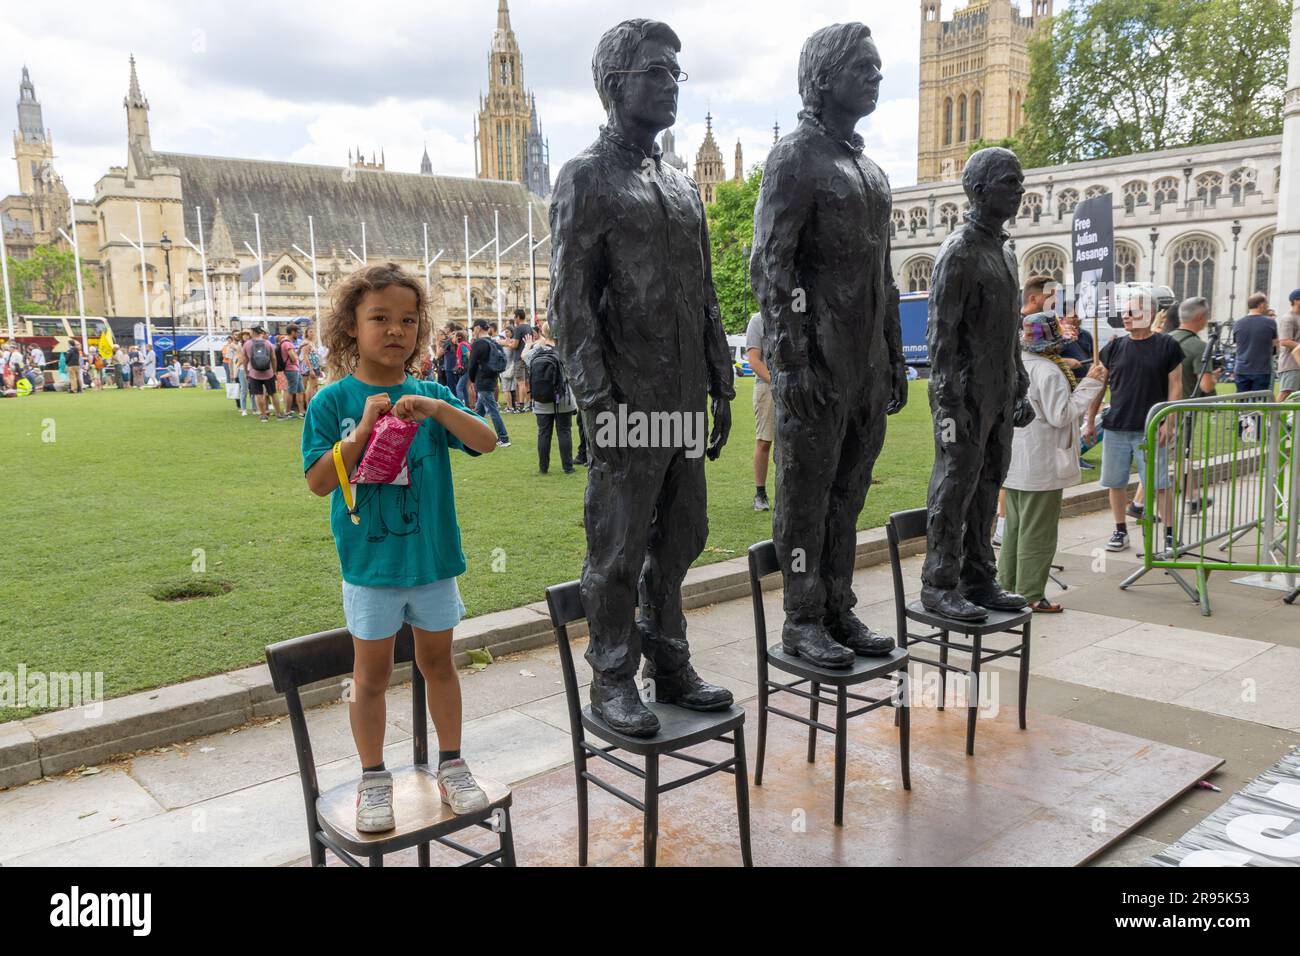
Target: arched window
pixel 916 274
pixel 1209 187
pixel 505 71
pixel 1066 200
pixel 287 277
pixel 948 216
pixel 1166 191
pixel 1135 194
pixel 1046 260
pixel 1241 183
pixel 1127 257
pixel 1031 207
pixel 947 121
pixel 916 218
pixel 1261 263
pixel 1192 265
pixel 961 119
pixel 977 115
pixel 1092 192
pixel 899 220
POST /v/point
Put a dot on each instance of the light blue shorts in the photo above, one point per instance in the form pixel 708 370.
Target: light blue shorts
pixel 374 614
pixel 1120 450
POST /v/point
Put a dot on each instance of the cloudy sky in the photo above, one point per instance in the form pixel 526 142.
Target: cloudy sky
pixel 275 80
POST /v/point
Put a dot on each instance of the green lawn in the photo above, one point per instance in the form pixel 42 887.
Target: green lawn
pixel 135 482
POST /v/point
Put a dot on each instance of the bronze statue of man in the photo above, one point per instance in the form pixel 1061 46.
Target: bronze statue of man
pixel 831 336
pixel 639 334
pixel 978 389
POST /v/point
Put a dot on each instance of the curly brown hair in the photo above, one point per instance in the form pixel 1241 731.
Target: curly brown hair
pixel 339 326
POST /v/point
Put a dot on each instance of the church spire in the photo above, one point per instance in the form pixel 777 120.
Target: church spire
pixel 31 126
pixel 426 165
pixel 220 247
pixel 503 16
pixel 134 98
pixel 137 122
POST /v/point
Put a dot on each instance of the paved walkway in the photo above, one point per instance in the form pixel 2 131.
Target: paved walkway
pixel 1144 662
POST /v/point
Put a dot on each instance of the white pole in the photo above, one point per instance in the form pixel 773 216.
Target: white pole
pixel 469 301
pixel 496 225
pixel 365 257
pixel 315 287
pixel 4 277
pixel 261 273
pixel 428 288
pixel 76 262
pixel 144 278
pixel 532 270
pixel 207 290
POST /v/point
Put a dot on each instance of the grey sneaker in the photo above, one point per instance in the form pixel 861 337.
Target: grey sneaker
pixel 761 503
pixel 375 802
pixel 458 789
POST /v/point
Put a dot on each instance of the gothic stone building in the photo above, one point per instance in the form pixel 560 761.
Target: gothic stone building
pixel 974 78
pixel 1200 220
pixel 509 138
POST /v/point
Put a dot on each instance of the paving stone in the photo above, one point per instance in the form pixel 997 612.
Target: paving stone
pixel 1263 689
pixel 1212 651
pixel 1130 674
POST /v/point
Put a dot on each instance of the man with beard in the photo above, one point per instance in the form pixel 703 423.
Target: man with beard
pixel 638 328
pixel 831 338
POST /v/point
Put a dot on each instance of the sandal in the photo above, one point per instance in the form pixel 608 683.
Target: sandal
pixel 1045 606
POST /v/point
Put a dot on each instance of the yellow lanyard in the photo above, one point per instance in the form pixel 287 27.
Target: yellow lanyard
pixel 344 484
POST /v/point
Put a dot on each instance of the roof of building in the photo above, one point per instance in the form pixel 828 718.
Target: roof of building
pixel 393 206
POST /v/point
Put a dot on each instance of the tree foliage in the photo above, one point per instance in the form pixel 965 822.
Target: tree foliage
pixel 46 282
pixel 1117 77
pixel 731 233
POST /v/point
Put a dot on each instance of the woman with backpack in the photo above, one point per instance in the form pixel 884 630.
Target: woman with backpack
pixel 553 403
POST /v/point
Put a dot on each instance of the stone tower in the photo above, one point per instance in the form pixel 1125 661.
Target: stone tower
pixel 709 166
pixel 38 183
pixel 740 163
pixel 224 267
pixel 506 115
pixel 537 155
pixel 974 78
pixel 138 145
pixel 669 146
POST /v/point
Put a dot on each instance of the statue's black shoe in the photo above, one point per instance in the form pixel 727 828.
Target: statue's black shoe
pixel 685 688
pixel 950 603
pixel 857 637
pixel 813 642
pixel 995 598
pixel 618 703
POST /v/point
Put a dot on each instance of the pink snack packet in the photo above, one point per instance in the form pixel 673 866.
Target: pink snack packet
pixel 384 461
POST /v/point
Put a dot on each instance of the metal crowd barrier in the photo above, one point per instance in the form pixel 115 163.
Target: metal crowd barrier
pixel 1231 505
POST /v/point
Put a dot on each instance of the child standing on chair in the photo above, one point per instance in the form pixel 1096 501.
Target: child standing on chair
pixel 399 547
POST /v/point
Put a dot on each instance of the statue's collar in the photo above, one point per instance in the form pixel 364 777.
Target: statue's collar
pixel 621 141
pixel 854 145
pixel 992 229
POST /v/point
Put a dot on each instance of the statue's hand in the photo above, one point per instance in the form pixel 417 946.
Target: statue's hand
pixel 798 388
pixel 721 427
pixel 1023 413
pixel 898 400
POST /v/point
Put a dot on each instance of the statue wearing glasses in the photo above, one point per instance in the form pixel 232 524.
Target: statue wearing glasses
pixel 640 334
pixel 831 336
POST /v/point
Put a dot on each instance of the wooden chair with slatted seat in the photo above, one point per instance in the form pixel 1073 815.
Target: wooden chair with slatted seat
pixel 679 728
pixel 421 816
pixel 906 526
pixel 893 667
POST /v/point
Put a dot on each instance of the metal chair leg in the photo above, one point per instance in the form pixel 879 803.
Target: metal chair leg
pixel 972 710
pixel 841 750
pixel 762 730
pixel 813 707
pixel 507 839
pixel 651 835
pixel 581 767
pixel 902 712
pixel 422 854
pixel 943 672
pixel 742 798
pixel 1024 675
pixel 376 859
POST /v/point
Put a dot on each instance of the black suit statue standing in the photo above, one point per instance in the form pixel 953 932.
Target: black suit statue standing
pixel 978 389
pixel 831 336
pixel 638 326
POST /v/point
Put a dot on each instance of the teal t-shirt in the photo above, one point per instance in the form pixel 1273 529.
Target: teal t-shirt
pixel 408 535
